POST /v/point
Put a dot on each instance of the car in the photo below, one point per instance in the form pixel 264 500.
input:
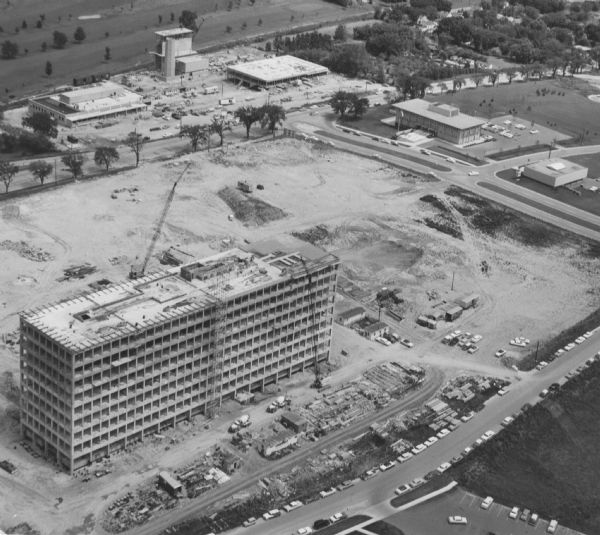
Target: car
pixel 403 489
pixel 369 474
pixel 271 514
pixel 456 459
pixel 321 523
pixel 293 505
pixel 587 334
pixel 517 342
pixel 383 467
pixel 487 435
pixel 404 457
pixel 552 526
pixel 345 485
pixel 533 519
pixel 383 341
pixel 473 173
pixel 485 504
pixel 570 346
pixel 450 159
pixel 472 349
pixel 406 342
pixel 579 340
pixel 467 450
pixel 418 449
pixel 541 365
pixel 443 467
pixel 534 131
pixel 260 186
pixel 305 531
pixel 544 393
pixel 478 443
pixel 425 151
pixel 336 517
pixel 514 513
pixel 250 522
pixel 329 492
pixel 559 352
pixel 443 433
pixel 524 515
pixel 507 421
pixel 554 387
pixel 431 441
pixel 417 482
pixel 467 417
pixel 502 391
pixel 500 353
pixel 457 520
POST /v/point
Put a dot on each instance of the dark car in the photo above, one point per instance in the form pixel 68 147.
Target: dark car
pixel 321 523
pixel 525 515
pixel 259 186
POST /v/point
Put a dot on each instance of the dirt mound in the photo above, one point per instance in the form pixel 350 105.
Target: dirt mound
pixel 22 248
pixel 249 209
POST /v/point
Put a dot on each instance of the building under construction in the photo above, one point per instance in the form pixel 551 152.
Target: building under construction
pixel 110 367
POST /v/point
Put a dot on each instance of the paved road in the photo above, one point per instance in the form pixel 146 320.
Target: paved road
pixel 412 400
pixel 373 496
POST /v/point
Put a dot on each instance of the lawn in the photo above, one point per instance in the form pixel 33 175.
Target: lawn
pixel 591 161
pixel 547 460
pixel 371 122
pixel 343 524
pixel 588 200
pixel 561 104
pixel 381 527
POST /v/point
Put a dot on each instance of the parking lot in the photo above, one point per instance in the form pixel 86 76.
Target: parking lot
pixel 431 518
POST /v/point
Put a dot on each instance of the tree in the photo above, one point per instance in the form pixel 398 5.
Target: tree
pixel 456 85
pixel 136 143
pixel 48 69
pixel 341 102
pixel 106 156
pixel 79 35
pixel 510 73
pixel 9 50
pixel 341 33
pixel 40 169
pixel 74 162
pixel 159 20
pixel 218 126
pixel 271 116
pixel 228 29
pixel 268 46
pixel 359 106
pixel 195 132
pixel 24 24
pixel 7 173
pixel 59 39
pixel 40 123
pixel 188 20
pixel 44 46
pixel 248 115
pixel 107 53
pixel 172 17
pixel 260 22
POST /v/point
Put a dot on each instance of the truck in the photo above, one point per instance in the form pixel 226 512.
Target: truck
pixel 211 90
pixel 244 186
pixel 226 101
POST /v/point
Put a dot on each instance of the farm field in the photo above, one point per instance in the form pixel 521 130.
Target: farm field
pixel 545 461
pixel 560 104
pixel 130 26
pixel 377 219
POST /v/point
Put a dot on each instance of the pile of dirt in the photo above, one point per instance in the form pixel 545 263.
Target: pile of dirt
pixel 443 220
pixel 248 209
pixel 317 235
pixel 22 248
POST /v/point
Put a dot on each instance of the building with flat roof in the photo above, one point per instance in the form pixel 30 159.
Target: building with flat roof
pixel 442 120
pixel 351 316
pixel 273 71
pixel 110 367
pixel 555 172
pixel 88 103
pixel 376 329
pixel 174 55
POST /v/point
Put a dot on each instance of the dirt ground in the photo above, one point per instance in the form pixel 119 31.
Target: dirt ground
pixel 373 218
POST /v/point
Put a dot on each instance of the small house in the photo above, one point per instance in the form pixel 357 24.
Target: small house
pixel 351 316
pixel 375 330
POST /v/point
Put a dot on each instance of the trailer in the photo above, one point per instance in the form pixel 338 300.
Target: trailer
pixel 211 90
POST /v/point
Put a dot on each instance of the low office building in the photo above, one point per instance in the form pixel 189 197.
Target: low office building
pixel 273 71
pixel 110 367
pixel 442 120
pixel 351 316
pixel 555 172
pixel 88 103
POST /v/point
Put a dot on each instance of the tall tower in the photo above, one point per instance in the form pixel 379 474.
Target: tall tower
pixel 170 45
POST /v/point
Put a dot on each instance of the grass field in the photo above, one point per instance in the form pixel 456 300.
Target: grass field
pixel 130 25
pixel 564 107
pixel 381 527
pixel 547 459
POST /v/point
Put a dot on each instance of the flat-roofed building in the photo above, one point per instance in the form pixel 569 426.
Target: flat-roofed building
pixel 174 55
pixel 555 172
pixel 442 120
pixel 88 103
pixel 273 71
pixel 110 367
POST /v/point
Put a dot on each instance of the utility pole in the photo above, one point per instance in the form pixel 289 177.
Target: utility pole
pixel 537 348
pixel 452 287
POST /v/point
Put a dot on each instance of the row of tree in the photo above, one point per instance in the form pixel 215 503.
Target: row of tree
pixel 10 49
pixel 346 103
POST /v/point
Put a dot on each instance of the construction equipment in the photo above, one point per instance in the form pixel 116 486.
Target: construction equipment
pixel 318 383
pixel 139 270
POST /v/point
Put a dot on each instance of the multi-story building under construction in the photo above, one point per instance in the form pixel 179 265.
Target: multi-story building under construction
pixel 109 367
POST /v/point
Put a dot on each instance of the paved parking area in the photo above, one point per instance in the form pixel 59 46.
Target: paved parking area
pixel 431 518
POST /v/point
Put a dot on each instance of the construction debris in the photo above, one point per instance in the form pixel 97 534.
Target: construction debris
pixel 22 248
pixel 77 272
pixel 175 257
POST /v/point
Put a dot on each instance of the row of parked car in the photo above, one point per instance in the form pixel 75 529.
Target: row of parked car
pixel 465 341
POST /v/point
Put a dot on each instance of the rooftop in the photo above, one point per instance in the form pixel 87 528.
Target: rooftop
pixel 351 313
pixel 377 326
pixel 277 68
pixel 442 113
pixel 174 32
pixel 554 167
pixel 124 309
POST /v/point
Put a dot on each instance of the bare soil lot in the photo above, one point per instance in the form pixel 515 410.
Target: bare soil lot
pixel 373 219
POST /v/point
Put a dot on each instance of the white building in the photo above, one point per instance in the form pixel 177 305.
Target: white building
pixel 174 55
pixel 555 172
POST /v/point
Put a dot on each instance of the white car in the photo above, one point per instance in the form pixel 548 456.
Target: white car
pixel 329 492
pixel 403 489
pixel 293 505
pixel 405 457
pixel 570 346
pixel 507 421
pixel 514 513
pixel 271 514
pixel 467 450
pixel 500 353
pixel 457 520
pixel 418 449
pixel 337 517
pixel 383 341
pixel 541 365
pixel 552 526
pixel 476 338
pixel 473 173
pixel 485 504
pixel 534 131
pixel 431 441
pixel 502 391
pixel 467 417
pixel 487 435
pixel 517 342
pixel 443 467
pixel 580 340
pixel 305 531
pixel 388 466
pixel 250 522
pixel 472 349
pixel 417 482
pixel 587 334
pixel 443 433
pixel 406 342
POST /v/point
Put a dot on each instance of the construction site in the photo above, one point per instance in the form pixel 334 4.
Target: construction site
pixel 101 259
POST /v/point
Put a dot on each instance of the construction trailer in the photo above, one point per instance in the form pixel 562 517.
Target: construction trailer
pixel 453 313
pixel 468 301
pixel 424 321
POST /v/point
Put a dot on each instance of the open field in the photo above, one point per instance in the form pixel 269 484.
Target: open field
pixel 131 26
pixel 564 105
pixel 373 219
pixel 546 460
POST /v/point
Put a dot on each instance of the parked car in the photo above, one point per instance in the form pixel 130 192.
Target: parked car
pixel 250 522
pixel 271 514
pixel 443 433
pixel 500 353
pixel 514 513
pixel 406 342
pixel 336 517
pixel 502 391
pixel 417 482
pixel 544 393
pixel 305 531
pixel 467 417
pixel 369 474
pixel 328 492
pixel 525 515
pixel 443 467
pixel 507 421
pixel 402 489
pixel 473 173
pixel 485 504
pixel 431 441
pixel 552 526
pixel 487 435
pixel 293 505
pixel 533 519
pixel 386 466
pixel 457 520
pixel 418 449
pixel 404 457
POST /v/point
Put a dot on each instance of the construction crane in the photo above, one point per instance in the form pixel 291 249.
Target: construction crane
pixel 318 383
pixel 139 270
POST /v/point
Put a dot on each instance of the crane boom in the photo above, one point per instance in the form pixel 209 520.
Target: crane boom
pixel 140 270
